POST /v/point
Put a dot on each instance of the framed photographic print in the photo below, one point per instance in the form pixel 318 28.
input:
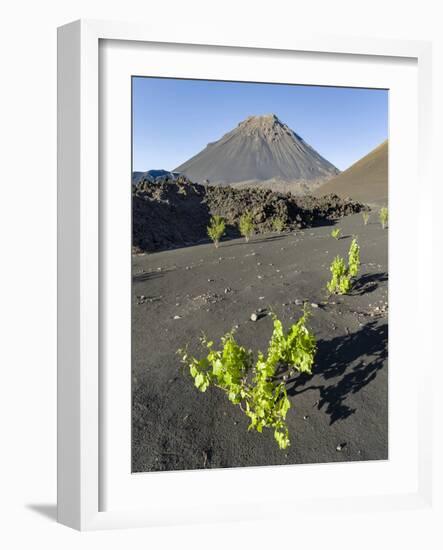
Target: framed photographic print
pixel 232 250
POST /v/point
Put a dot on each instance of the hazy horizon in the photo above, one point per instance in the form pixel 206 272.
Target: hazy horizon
pixel 174 119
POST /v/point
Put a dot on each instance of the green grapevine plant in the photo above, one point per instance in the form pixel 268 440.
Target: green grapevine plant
pixel 336 233
pixel 354 259
pixel 257 388
pixel 342 275
pixel 246 225
pixel 216 229
pixel 340 282
pixel 383 215
pixel 278 224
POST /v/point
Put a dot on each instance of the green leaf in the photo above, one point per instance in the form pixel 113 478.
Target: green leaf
pixel 199 379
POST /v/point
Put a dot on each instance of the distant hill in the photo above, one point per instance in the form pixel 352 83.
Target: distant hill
pixel 152 175
pixel 260 151
pixel 365 181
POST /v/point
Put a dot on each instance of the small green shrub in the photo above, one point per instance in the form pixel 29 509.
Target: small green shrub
pixel 354 259
pixel 383 216
pixel 336 233
pixel 257 388
pixel 246 225
pixel 340 282
pixel 216 229
pixel 278 224
pixel 365 215
pixel 342 275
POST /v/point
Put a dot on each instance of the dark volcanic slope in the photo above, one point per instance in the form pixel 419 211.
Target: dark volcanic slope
pixel 365 181
pixel 260 148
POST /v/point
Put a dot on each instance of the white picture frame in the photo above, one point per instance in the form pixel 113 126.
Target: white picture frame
pixel 82 398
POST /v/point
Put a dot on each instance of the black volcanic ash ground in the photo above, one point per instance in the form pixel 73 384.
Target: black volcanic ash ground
pixel 338 414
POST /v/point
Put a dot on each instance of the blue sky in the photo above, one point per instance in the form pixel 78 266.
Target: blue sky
pixel 174 119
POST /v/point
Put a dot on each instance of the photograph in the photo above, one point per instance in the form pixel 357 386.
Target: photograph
pixel 259 294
